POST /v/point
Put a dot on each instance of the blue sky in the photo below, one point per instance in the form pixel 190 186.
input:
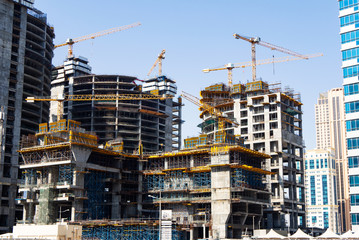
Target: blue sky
pixel 198 34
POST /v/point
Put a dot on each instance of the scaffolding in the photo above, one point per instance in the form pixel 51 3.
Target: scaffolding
pixel 176 180
pixel 249 179
pixel 66 174
pixel 153 182
pixel 29 177
pixel 139 231
pixel 202 180
pixel 96 199
pixel 45 156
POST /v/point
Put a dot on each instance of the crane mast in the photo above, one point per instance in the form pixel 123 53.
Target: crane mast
pixel 159 59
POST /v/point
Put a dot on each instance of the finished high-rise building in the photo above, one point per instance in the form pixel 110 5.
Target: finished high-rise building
pixel 26 51
pixel 330 133
pixel 349 32
pixel 320 187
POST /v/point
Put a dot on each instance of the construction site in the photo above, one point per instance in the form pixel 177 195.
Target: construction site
pixel 108 160
pixel 211 189
pixel 111 164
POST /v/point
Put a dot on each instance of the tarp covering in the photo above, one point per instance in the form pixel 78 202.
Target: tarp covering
pixel 349 235
pixel 329 234
pixel 272 235
pixel 299 234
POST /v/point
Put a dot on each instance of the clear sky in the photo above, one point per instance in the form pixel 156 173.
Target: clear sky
pixel 198 34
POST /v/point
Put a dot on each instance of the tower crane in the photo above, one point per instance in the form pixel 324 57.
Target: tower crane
pixel 257 40
pixel 70 42
pixel 90 97
pixel 214 112
pixel 231 66
pixel 159 61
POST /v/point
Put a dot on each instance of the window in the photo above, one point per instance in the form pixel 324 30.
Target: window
pixel 311 164
pixel 273 125
pixel 351 71
pixel 352 125
pixel 353 143
pixel 306 164
pixel 312 190
pixel 272 108
pixel 349 19
pixel 321 163
pixel 350 36
pixel 335 190
pixel 354 200
pixel 343 4
pixel 317 163
pixel 326 219
pixel 273 116
pixel 355 218
pixel 351 89
pixel 353 162
pixel 350 54
pixel 351 107
pixel 325 189
pixel 326 163
pixel 314 219
pixel 354 180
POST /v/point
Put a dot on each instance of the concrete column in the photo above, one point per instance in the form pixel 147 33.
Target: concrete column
pixel 191 234
pixel 221 196
pixel 139 196
pixel 25 211
pixel 73 211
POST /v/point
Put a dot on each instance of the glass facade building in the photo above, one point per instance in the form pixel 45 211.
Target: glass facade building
pixel 322 209
pixel 349 35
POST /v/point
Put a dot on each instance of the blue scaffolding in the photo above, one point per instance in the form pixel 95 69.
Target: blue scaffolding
pixel 95 187
pixel 66 174
pixel 153 182
pixel 243 178
pixel 126 232
pixel 202 180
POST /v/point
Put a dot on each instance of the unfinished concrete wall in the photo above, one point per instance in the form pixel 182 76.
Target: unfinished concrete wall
pixel 220 196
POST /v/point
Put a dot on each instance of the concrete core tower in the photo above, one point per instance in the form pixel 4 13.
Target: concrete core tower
pixel 26 50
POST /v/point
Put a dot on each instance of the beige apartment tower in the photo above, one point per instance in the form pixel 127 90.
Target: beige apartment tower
pixel 330 133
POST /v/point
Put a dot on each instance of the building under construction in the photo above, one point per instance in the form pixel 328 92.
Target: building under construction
pixel 155 123
pixel 270 121
pixel 213 189
pixel 25 69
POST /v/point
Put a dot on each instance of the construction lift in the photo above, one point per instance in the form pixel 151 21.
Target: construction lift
pixel 257 40
pixel 214 112
pixel 231 66
pixel 70 42
pixel 159 59
pixel 96 97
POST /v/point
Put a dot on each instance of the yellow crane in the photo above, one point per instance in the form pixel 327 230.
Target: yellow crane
pixel 70 42
pixel 97 97
pixel 159 59
pixel 231 66
pixel 214 112
pixel 257 40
